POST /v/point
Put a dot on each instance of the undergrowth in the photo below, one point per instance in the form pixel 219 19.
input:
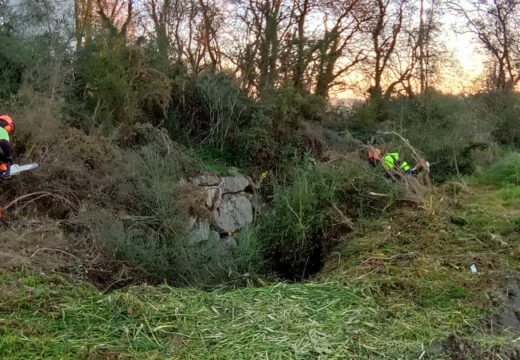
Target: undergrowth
pixel 306 217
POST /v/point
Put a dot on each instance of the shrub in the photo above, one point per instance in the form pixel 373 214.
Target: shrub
pixel 115 84
pixel 278 134
pixel 362 122
pixel 504 111
pixel 207 110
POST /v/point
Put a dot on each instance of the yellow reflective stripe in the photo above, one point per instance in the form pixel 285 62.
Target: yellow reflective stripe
pixel 390 160
pixel 4 135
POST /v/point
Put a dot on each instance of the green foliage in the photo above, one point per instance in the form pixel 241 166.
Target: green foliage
pixel 506 171
pixel 211 111
pixel 115 83
pixel 11 63
pixel 306 217
pixel 504 111
pixel 454 133
pixel 208 110
pixel 273 139
pixel 362 123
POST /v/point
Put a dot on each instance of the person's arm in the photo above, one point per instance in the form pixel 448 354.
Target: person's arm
pixel 7 151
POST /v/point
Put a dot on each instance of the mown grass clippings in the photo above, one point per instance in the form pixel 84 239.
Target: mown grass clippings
pixel 283 321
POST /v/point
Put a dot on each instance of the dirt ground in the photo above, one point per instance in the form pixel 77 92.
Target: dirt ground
pixel 508 317
pixel 35 244
pixel 43 245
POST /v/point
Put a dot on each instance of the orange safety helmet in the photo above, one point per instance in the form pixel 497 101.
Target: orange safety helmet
pixel 7 123
pixel 376 154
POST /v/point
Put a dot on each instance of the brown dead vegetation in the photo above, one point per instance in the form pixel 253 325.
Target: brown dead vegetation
pixel 50 210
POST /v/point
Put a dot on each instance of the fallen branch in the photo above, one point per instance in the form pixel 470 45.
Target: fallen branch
pixel 23 197
pixel 36 196
pixel 404 140
pixel 344 219
pixel 56 250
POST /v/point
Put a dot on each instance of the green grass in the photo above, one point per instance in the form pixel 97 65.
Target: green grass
pixel 506 171
pixel 49 317
pixel 213 160
pixel 408 258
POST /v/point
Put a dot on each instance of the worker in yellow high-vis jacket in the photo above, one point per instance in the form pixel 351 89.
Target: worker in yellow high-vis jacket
pixel 391 161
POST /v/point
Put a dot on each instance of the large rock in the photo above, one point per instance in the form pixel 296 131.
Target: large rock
pixel 228 243
pixel 199 232
pixel 213 196
pixel 234 184
pixel 214 237
pixel 235 212
pixel 207 180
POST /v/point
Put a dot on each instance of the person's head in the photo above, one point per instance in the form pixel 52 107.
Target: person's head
pixel 374 155
pixel 7 123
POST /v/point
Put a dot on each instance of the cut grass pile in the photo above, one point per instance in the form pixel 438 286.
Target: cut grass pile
pixel 49 317
pixel 423 262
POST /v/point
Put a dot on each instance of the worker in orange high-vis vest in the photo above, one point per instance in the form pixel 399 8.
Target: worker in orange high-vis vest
pixel 6 153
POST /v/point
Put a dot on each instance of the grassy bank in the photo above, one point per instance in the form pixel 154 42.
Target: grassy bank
pixel 392 287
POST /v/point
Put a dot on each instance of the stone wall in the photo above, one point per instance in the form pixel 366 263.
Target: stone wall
pixel 229 201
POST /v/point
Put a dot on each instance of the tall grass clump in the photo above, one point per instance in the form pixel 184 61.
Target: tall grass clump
pixel 308 217
pixel 154 232
pixel 504 172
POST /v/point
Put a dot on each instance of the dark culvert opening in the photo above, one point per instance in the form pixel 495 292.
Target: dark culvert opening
pixel 293 266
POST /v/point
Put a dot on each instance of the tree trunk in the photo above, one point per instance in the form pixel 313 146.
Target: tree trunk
pixel 422 70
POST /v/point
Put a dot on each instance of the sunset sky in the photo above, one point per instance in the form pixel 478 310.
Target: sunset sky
pixel 465 51
pixel 458 76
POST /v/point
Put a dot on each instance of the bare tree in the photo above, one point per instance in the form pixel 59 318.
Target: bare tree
pixel 116 14
pixel 432 50
pixel 385 29
pixel 160 13
pixel 301 13
pixel 265 25
pixel 83 18
pixel 495 23
pixel 338 50
pixel 187 29
pixel 310 44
